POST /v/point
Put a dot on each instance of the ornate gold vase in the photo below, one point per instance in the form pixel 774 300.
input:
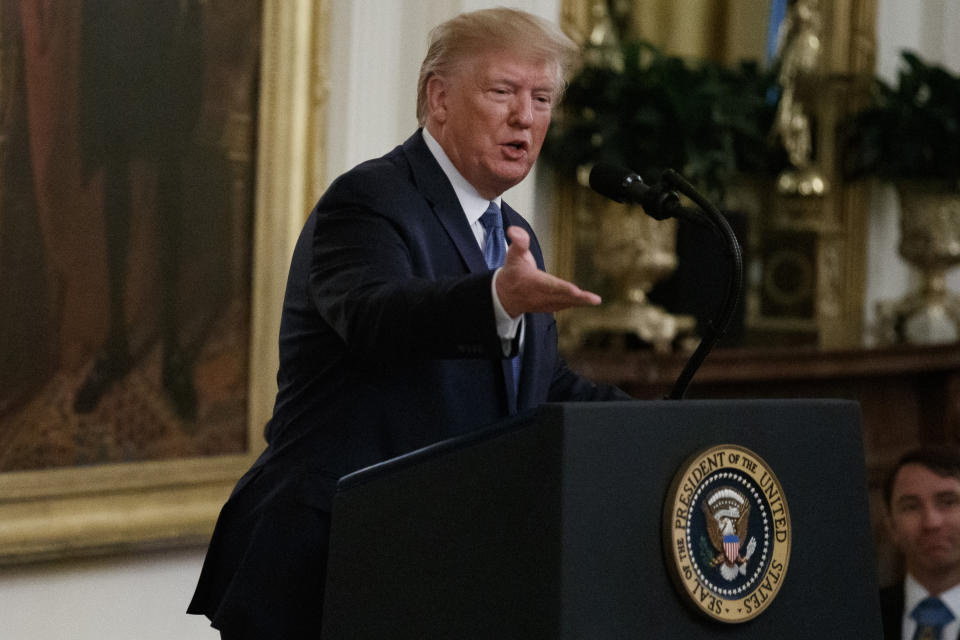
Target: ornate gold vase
pixel 930 241
pixel 634 252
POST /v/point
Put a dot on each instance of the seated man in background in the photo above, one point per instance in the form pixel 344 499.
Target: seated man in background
pixel 922 495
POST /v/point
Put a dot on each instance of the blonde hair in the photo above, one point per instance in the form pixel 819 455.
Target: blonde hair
pixel 469 35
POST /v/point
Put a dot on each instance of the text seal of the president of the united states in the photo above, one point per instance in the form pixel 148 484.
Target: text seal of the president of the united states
pixel 727 533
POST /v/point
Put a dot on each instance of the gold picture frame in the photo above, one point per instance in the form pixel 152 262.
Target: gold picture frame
pixel 120 507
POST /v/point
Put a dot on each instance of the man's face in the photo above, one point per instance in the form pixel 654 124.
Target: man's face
pixel 925 520
pixel 491 116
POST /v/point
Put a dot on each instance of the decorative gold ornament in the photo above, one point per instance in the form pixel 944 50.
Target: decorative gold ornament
pixel 930 241
pixel 635 252
pixel 799 54
pixel 632 250
pixel 602 47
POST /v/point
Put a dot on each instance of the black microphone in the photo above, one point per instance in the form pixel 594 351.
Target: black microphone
pixel 626 186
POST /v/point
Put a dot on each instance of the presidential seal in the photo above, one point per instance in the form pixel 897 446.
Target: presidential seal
pixel 727 533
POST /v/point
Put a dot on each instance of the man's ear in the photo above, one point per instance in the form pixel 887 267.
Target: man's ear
pixel 437 96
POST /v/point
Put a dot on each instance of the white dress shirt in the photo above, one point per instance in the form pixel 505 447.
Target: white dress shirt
pixel 913 593
pixel 474 205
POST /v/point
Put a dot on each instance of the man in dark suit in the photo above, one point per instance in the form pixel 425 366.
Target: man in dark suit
pixel 922 495
pixel 398 328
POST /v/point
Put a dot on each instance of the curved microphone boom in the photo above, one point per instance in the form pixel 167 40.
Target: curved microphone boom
pixel 661 203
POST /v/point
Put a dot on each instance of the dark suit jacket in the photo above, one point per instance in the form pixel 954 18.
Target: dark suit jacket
pixel 387 344
pixel 891 611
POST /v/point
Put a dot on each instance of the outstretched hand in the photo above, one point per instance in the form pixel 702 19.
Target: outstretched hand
pixel 522 287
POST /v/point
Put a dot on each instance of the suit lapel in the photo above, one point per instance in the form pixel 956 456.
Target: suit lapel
pixel 512 218
pixel 436 188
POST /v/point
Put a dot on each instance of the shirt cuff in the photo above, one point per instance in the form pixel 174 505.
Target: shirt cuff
pixel 507 326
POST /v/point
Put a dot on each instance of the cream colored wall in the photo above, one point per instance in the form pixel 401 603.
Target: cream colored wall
pixel 141 596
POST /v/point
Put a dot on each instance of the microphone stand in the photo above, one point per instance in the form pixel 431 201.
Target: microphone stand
pixel 718 327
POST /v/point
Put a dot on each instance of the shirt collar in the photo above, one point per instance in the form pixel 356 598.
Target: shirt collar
pixel 913 593
pixel 472 203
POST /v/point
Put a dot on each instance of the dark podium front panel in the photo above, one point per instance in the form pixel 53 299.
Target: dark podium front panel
pixel 550 527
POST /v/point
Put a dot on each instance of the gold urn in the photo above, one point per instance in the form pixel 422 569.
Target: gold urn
pixel 930 241
pixel 633 252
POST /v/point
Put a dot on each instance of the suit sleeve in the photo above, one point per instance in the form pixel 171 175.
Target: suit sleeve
pixel 373 282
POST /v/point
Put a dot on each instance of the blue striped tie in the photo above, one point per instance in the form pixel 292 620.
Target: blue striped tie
pixel 931 616
pixel 495 252
pixel 494 243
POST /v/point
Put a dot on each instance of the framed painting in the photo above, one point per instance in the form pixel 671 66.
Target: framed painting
pixel 156 163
